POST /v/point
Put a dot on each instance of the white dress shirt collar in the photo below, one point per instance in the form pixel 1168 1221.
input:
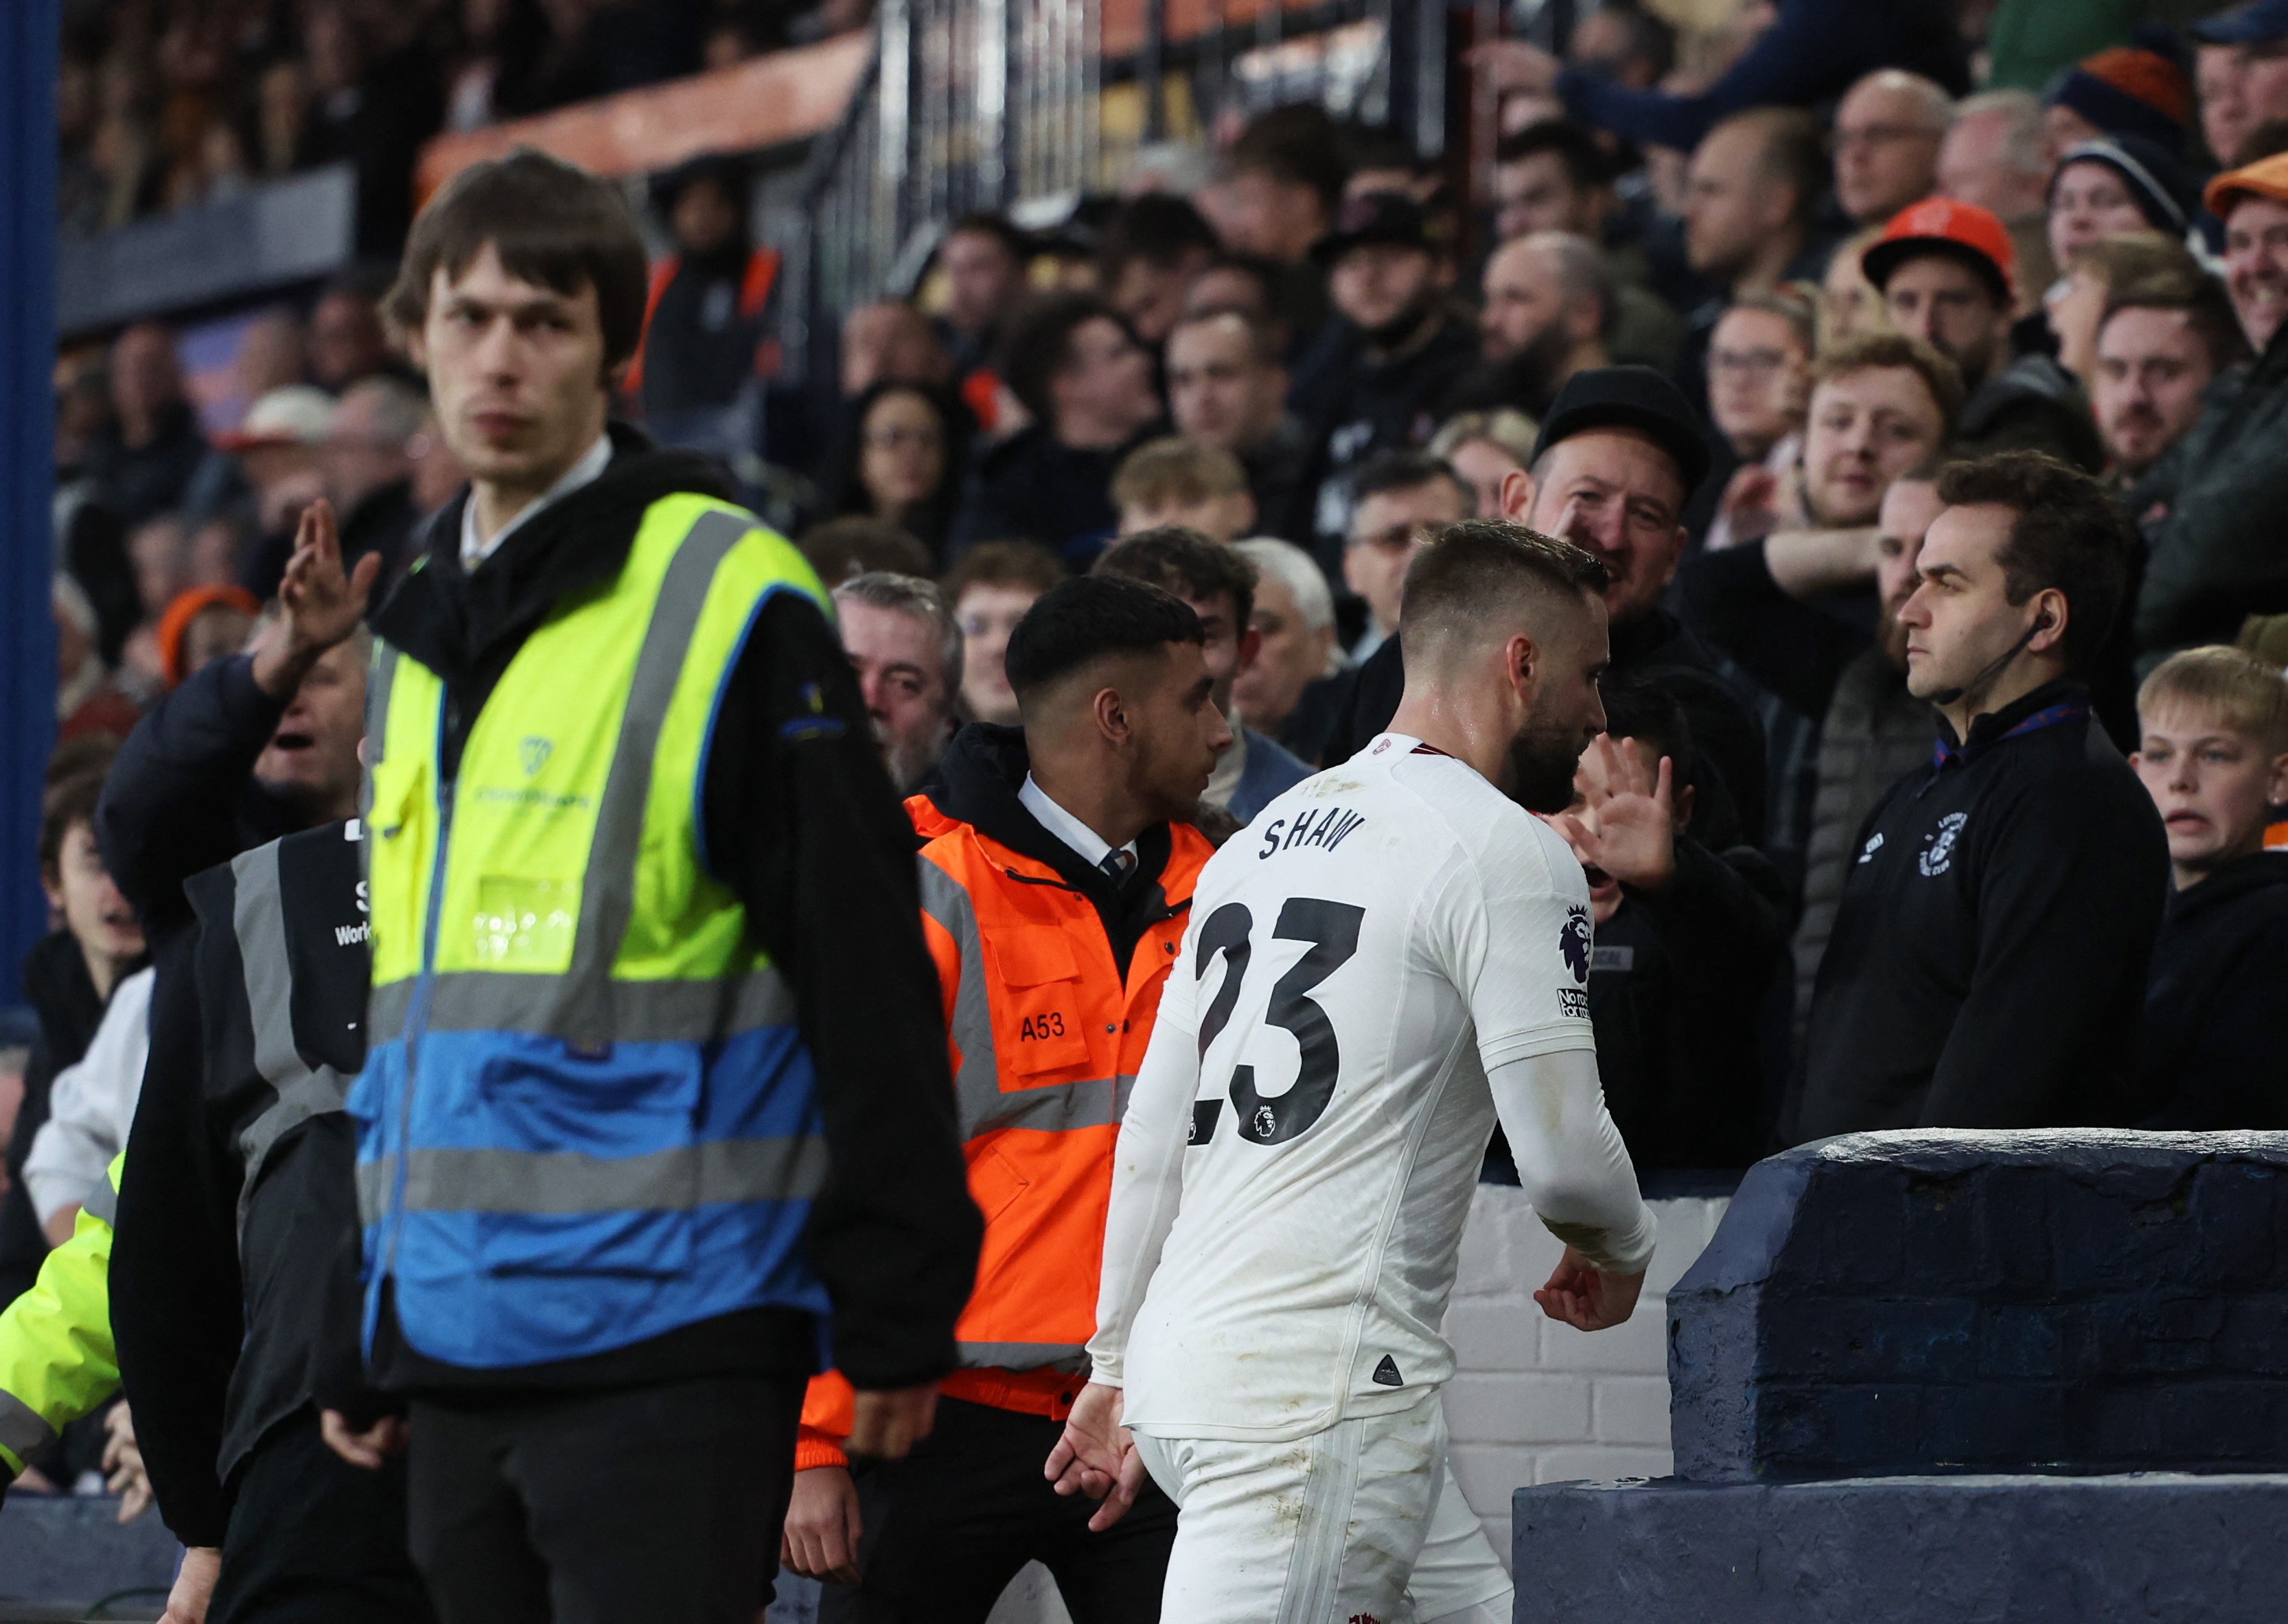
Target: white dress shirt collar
pixel 586 470
pixel 1091 846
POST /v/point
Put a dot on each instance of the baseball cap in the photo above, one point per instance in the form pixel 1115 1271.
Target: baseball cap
pixel 1972 234
pixel 2265 177
pixel 2257 23
pixel 1629 398
pixel 293 414
pixel 1376 216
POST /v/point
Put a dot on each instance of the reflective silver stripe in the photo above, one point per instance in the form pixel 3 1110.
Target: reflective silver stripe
pixel 587 1012
pixel 378 684
pixel 980 1101
pixel 1057 1108
pixel 977 1085
pixel 103 1200
pixel 300 1090
pixel 645 1012
pixel 1072 1357
pixel 564 1183
pixel 22 1431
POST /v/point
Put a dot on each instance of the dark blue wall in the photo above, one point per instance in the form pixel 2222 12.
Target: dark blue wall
pixel 2078 1301
pixel 28 358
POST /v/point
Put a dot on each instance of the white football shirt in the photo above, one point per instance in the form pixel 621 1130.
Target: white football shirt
pixel 1358 958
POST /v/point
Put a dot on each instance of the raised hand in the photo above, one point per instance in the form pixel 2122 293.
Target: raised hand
pixel 320 604
pixel 1627 823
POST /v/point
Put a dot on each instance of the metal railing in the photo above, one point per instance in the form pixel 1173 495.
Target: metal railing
pixel 1001 104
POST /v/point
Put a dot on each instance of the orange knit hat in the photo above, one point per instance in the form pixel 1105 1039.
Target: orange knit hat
pixel 187 607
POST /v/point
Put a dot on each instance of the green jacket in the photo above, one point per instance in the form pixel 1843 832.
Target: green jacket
pixel 57 1360
pixel 2218 557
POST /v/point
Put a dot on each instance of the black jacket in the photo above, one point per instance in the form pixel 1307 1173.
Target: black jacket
pixel 235 1272
pixel 1987 967
pixel 1658 647
pixel 1677 984
pixel 2216 555
pixel 1280 476
pixel 141 482
pixel 2032 404
pixel 181 798
pixel 2216 1010
pixel 1374 403
pixel 803 826
pixel 182 795
pixel 1033 488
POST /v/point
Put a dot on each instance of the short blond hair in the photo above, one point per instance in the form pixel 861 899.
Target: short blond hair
pixel 1176 472
pixel 2228 686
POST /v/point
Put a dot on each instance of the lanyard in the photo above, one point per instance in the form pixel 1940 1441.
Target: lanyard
pixel 1943 756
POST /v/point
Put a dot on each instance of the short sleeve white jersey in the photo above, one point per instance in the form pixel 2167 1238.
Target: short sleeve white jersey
pixel 1358 958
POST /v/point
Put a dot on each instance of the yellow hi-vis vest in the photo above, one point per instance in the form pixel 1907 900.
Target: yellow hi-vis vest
pixel 58 1361
pixel 586 1116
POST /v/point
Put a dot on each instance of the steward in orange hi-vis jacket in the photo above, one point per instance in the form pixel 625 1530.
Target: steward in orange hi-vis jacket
pixel 1052 944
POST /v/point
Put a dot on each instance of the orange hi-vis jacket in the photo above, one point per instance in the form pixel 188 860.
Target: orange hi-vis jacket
pixel 1046 1036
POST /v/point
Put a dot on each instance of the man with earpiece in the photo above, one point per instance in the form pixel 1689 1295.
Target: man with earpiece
pixel 1987 968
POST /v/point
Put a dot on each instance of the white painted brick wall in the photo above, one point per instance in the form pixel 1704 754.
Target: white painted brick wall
pixel 1531 1401
pixel 1534 1401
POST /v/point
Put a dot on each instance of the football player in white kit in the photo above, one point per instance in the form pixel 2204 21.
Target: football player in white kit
pixel 1392 955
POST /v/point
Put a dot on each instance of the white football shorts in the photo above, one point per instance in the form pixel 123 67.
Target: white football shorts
pixel 1361 1523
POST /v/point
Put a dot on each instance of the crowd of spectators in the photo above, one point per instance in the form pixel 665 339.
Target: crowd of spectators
pixel 165 103
pixel 1929 432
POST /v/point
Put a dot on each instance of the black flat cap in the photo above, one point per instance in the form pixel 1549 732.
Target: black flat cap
pixel 1630 397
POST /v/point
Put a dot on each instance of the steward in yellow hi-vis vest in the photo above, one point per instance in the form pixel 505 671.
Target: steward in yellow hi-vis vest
pixel 589 1116
pixel 655 1110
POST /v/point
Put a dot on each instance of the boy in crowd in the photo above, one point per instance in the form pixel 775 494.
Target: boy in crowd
pixel 1188 482
pixel 2213 753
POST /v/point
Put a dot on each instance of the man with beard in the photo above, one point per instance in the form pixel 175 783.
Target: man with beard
pixel 1945 270
pixel 1548 305
pixel 906 651
pixel 1619 452
pixel 2216 556
pixel 1758 604
pixel 1404 958
pixel 1555 176
pixel 2162 341
pixel 1407 347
